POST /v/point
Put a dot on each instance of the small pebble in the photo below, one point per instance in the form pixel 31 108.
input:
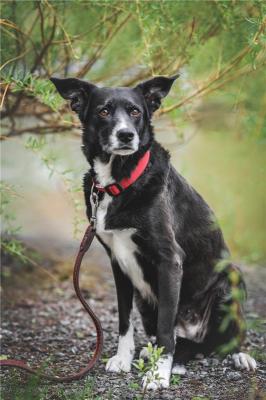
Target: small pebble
pixel 204 362
pixel 199 356
pixel 234 376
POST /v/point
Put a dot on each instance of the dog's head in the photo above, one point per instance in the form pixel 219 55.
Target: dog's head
pixel 116 120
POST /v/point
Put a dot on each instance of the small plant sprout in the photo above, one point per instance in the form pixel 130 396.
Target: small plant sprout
pixel 148 371
pixel 175 380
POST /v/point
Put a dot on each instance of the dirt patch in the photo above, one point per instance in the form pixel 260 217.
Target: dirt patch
pixel 47 326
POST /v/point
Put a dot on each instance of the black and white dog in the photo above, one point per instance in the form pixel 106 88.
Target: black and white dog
pixel 162 238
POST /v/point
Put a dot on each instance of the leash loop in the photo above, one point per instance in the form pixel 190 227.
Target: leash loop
pixel 84 246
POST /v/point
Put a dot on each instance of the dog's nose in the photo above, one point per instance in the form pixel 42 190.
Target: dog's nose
pixel 125 136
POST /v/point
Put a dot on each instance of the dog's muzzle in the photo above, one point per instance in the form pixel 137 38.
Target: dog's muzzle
pixel 125 137
pixel 125 142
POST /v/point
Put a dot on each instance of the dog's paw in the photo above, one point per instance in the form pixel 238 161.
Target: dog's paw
pixel 244 361
pixel 161 378
pixel 179 369
pixel 160 382
pixel 118 363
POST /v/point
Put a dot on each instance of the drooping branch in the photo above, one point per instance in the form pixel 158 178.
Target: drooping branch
pixel 40 130
pixel 205 88
pixel 98 52
pixel 45 47
pixel 28 98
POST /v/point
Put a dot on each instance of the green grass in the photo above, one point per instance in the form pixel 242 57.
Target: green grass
pixel 258 355
pixel 34 389
pixel 175 380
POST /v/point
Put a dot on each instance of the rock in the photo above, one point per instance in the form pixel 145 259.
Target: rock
pixel 234 376
pixel 7 333
pixel 204 362
pixel 59 354
pixel 199 356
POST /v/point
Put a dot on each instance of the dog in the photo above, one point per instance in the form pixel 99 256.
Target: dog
pixel 166 249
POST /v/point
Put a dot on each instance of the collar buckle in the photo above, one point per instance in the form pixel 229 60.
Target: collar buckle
pixel 114 189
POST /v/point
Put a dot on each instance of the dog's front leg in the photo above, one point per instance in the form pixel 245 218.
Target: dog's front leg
pixel 126 347
pixel 169 283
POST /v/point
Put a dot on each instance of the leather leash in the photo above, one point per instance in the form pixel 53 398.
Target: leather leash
pixel 84 246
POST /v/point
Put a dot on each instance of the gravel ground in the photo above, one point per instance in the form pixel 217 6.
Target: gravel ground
pixel 45 323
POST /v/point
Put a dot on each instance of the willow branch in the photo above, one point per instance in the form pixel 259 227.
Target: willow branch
pixel 4 95
pixel 101 48
pixel 42 22
pixel 39 130
pixel 218 76
pixel 234 77
pixel 14 59
pixel 45 48
pixel 29 260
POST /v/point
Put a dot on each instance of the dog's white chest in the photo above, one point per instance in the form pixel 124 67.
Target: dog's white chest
pixel 123 249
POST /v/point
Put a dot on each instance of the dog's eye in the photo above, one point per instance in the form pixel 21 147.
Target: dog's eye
pixel 135 112
pixel 104 112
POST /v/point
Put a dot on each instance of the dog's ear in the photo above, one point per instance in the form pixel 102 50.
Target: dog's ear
pixel 75 90
pixel 155 89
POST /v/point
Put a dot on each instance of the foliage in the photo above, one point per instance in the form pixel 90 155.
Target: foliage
pixel 121 43
pixel 149 370
pixel 9 243
pixel 232 307
pixel 35 389
pixel 175 380
pixel 67 176
pixel 8 192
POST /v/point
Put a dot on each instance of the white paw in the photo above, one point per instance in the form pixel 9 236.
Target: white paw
pixel 160 379
pixel 179 369
pixel 244 361
pixel 160 382
pixel 119 363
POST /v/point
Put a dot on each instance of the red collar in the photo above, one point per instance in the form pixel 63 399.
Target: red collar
pixel 114 189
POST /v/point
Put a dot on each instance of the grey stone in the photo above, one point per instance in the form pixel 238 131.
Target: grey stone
pixel 234 376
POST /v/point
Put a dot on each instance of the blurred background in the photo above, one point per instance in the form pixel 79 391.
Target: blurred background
pixel 213 123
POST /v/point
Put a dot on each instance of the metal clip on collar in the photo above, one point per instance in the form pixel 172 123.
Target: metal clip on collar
pixel 94 200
